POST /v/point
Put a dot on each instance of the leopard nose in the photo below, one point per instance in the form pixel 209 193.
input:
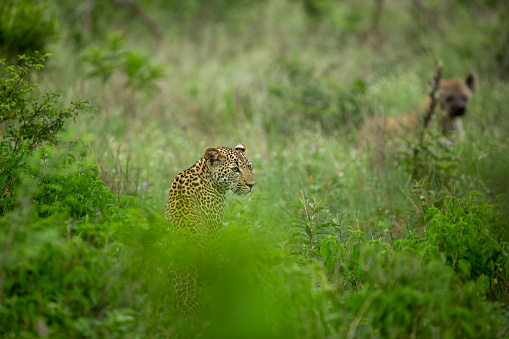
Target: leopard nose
pixel 251 185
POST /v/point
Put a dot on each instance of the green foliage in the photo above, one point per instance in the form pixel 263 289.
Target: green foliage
pixel 317 99
pixel 26 26
pixel 401 297
pixel 471 236
pixel 54 284
pixel 29 117
pixel 394 291
pixel 434 157
pixel 58 183
pixel 29 122
pixel 11 165
pixel 310 228
pixel 112 57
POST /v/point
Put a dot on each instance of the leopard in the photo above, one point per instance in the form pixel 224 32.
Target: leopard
pixel 198 195
pixel 196 204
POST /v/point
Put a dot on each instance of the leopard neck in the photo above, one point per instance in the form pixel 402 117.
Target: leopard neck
pixel 206 176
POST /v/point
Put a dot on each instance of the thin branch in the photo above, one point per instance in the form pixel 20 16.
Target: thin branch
pixel 434 94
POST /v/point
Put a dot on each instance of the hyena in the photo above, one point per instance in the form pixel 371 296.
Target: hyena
pixel 453 100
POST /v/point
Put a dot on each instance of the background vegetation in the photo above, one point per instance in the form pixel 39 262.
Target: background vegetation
pixel 334 242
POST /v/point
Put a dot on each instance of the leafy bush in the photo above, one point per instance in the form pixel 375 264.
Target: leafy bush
pixel 319 100
pixel 54 284
pixel 112 57
pixel 26 26
pixel 433 157
pixel 27 116
pixel 29 120
pixel 471 236
pixel 11 166
pixel 58 183
pixel 401 296
pixel 56 268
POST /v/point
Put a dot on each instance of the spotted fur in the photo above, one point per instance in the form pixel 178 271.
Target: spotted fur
pixel 197 200
pixel 198 195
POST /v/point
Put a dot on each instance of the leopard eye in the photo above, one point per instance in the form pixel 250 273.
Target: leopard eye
pixel 250 165
pixel 236 169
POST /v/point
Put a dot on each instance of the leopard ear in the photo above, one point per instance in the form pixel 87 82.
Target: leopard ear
pixel 471 81
pixel 242 148
pixel 213 155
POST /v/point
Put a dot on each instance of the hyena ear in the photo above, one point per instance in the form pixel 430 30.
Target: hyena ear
pixel 471 81
pixel 242 148
pixel 213 156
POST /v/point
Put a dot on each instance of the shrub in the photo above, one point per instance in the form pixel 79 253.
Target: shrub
pixel 112 57
pixel 26 26
pixel 28 117
pixel 30 121
pixel 55 285
pixel 402 296
pixel 316 100
pixel 471 236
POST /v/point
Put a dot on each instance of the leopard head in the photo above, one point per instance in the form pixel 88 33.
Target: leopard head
pixel 230 170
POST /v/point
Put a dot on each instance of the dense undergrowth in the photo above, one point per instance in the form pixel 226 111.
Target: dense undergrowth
pixel 334 241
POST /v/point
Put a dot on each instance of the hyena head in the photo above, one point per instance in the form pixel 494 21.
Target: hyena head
pixel 456 94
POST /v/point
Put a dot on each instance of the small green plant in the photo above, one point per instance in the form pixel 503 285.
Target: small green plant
pixel 310 228
pixel 342 260
pixel 433 157
pixel 113 57
pixel 58 183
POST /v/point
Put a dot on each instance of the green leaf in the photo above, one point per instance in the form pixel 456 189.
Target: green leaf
pixel 465 266
pixel 483 283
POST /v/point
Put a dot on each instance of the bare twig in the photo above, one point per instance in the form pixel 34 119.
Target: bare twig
pixel 434 94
